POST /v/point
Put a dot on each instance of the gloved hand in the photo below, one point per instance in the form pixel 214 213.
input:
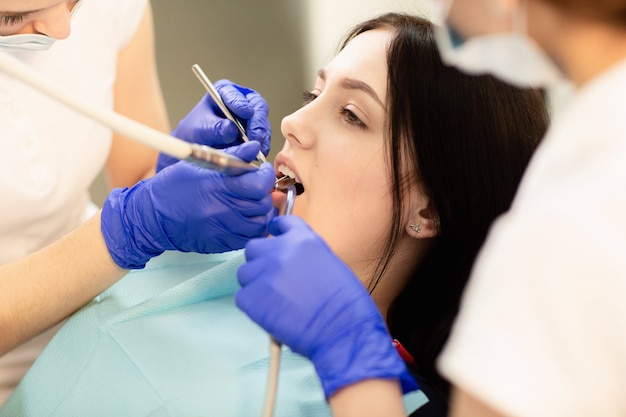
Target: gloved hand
pixel 205 124
pixel 188 208
pixel 307 298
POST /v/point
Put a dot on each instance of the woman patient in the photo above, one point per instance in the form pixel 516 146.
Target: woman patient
pixel 404 162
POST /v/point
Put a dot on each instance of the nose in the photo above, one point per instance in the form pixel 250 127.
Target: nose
pixel 300 128
pixel 55 22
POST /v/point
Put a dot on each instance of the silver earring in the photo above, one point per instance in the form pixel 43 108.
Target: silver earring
pixel 416 227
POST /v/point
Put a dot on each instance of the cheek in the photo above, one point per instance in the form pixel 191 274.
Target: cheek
pixel 350 209
pixel 357 226
pixel 19 29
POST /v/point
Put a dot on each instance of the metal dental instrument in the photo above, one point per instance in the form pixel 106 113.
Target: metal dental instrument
pixel 283 183
pixel 287 185
pixel 210 88
pixel 290 189
pixel 199 154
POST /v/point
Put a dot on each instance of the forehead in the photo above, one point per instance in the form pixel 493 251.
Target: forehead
pixel 364 58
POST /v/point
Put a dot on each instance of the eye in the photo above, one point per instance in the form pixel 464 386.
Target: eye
pixel 307 97
pixel 352 118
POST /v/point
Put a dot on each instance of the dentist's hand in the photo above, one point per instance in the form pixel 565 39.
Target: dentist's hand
pixel 188 208
pixel 205 124
pixel 307 298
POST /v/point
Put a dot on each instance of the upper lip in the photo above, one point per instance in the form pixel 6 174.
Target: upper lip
pixel 282 159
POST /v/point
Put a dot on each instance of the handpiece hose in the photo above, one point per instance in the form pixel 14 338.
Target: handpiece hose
pixel 200 154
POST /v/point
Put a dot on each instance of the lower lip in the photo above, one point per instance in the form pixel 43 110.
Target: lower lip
pixel 278 199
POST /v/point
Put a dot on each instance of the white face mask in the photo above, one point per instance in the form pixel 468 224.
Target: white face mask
pixel 31 41
pixel 513 57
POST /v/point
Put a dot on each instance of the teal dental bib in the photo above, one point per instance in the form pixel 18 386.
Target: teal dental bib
pixel 167 340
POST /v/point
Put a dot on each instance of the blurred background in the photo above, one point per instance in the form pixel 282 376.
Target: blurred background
pixel 272 46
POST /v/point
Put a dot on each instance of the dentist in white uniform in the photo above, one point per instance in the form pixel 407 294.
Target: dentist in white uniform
pixel 542 328
pixel 49 155
pixel 52 258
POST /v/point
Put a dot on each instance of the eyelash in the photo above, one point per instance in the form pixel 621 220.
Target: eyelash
pixel 349 116
pixel 13 19
pixel 307 97
pixel 16 19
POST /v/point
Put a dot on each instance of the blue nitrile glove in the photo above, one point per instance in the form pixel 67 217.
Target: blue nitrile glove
pixel 307 298
pixel 205 123
pixel 188 208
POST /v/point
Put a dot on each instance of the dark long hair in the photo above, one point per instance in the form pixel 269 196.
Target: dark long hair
pixel 465 141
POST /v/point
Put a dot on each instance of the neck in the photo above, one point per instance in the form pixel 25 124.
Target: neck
pixel 407 256
pixel 582 47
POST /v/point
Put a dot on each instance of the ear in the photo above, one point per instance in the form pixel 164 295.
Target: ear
pixel 422 229
pixel 423 221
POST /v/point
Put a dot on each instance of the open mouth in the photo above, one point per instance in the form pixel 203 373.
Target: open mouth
pixel 287 177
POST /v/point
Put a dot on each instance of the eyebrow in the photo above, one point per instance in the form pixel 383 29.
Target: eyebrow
pixel 352 84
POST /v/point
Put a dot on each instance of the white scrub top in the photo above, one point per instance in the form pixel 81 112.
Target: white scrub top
pixel 50 155
pixel 542 328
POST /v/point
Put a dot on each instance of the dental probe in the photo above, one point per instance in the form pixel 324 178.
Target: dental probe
pixel 286 185
pixel 210 88
pixel 199 154
pixel 283 183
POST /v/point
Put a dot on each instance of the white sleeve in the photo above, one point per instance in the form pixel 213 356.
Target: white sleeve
pixel 118 19
pixel 542 327
pixel 130 14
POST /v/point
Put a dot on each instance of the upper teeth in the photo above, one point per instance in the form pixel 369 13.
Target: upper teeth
pixel 288 172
